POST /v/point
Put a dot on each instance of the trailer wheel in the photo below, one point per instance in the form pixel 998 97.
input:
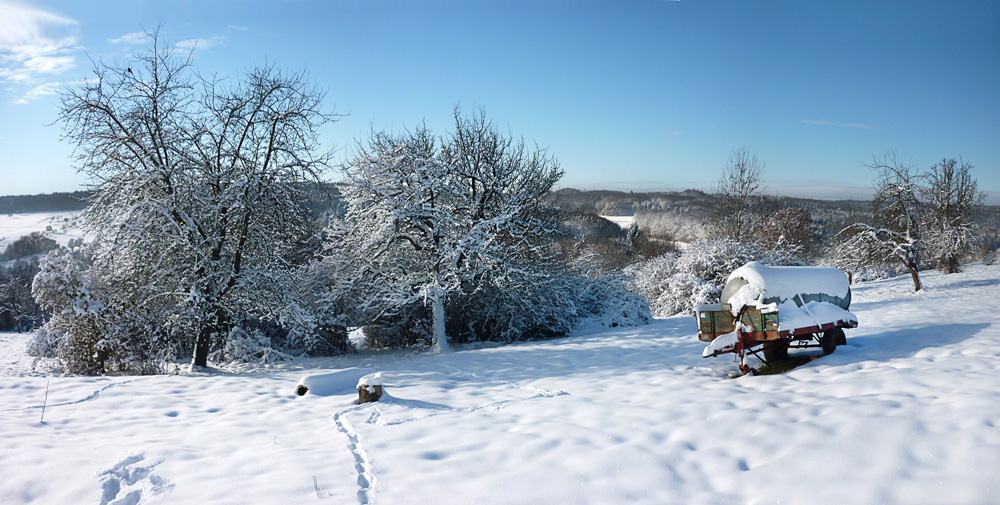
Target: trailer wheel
pixel 776 350
pixel 829 340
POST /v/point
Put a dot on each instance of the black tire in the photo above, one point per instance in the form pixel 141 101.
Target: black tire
pixel 776 350
pixel 829 340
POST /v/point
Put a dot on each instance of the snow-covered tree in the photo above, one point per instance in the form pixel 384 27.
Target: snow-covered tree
pixel 894 234
pixel 739 212
pixel 427 222
pixel 197 185
pixel 950 196
pixel 791 225
pixel 862 247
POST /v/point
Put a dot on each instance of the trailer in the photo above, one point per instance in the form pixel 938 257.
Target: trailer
pixel 765 311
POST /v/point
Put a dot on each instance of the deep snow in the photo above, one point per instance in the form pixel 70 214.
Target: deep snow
pixel 906 413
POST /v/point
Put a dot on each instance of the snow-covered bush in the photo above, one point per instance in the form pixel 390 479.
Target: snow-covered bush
pixel 92 330
pixel 549 306
pixel 676 283
pixel 249 346
pixel 73 333
pixel 43 344
pixel 403 327
pixel 611 301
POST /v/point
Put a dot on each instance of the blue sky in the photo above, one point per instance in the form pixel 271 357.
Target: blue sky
pixel 634 95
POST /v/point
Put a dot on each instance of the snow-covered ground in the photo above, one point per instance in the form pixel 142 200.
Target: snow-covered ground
pixel 623 221
pixel 907 413
pixel 59 226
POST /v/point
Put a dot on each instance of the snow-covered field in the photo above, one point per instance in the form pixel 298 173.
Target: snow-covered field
pixel 59 226
pixel 907 413
pixel 623 221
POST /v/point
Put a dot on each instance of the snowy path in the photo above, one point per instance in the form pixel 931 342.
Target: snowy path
pixel 908 412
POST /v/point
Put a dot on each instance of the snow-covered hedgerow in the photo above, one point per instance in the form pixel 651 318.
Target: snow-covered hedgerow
pixel 678 282
pixel 565 300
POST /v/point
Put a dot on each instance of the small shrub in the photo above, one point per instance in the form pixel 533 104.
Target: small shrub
pixel 676 283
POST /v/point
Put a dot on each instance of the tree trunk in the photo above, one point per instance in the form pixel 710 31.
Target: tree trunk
pixel 217 324
pixel 440 339
pixel 948 264
pixel 915 276
pixel 202 345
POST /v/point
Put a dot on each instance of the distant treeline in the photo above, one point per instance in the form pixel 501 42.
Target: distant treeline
pixel 682 215
pixel 690 205
pixel 53 202
pixel 322 198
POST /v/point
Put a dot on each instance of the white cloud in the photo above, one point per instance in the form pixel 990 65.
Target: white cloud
pixel 29 52
pixel 131 38
pixel 676 132
pixel 44 89
pixel 198 44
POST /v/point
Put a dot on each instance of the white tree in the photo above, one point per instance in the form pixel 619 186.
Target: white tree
pixel 427 222
pixel 197 186
pixel 950 196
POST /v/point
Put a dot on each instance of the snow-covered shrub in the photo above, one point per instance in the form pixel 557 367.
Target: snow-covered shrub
pixel 610 301
pixel 249 346
pixel 43 343
pixel 323 338
pixel 94 329
pixel 676 283
pixel 73 333
pixel 405 327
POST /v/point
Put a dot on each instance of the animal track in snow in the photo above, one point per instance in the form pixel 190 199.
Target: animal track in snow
pixel 127 482
pixel 366 478
pixel 92 396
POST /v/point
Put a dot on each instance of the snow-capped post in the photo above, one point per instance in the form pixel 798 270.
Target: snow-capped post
pixel 370 388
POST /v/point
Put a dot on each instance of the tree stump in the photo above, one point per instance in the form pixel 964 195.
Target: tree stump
pixel 370 388
pixel 368 394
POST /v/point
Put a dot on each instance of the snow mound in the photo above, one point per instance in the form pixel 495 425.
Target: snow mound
pixel 340 382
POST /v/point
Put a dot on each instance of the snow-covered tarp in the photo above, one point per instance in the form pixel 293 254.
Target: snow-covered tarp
pixel 764 285
pixel 804 296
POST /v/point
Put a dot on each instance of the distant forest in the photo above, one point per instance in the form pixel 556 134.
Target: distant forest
pixel 53 202
pixel 680 215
